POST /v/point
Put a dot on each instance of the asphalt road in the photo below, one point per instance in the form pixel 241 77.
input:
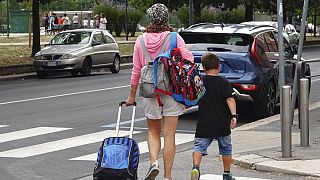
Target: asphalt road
pixel 52 128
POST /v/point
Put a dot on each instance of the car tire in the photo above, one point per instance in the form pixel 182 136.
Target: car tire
pixel 267 106
pixel 115 68
pixel 74 72
pixel 42 74
pixel 86 67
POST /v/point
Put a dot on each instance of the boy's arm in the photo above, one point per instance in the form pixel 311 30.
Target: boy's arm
pixel 233 109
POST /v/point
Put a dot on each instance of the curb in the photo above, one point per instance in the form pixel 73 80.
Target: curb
pixel 260 163
pixel 32 75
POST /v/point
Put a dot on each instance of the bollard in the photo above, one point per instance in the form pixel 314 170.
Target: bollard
pixel 286 122
pixel 304 112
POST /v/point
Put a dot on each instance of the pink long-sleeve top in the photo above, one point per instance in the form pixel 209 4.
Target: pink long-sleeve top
pixel 153 43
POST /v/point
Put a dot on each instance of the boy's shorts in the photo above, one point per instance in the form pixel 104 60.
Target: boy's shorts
pixel 170 107
pixel 225 147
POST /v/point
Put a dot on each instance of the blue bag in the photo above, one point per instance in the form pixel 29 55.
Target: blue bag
pixel 118 157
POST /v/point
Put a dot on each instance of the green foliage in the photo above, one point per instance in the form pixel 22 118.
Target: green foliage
pixel 134 17
pixel 141 5
pixel 183 15
pixel 208 15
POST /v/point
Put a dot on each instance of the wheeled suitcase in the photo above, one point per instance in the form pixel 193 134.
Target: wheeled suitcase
pixel 118 157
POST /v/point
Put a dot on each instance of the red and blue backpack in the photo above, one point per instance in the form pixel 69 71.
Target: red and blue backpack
pixel 186 84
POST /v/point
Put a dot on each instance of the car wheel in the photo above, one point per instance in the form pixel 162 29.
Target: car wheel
pixel 42 74
pixel 86 67
pixel 115 68
pixel 74 72
pixel 266 107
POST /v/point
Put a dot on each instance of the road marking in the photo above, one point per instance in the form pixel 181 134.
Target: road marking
pixel 1 126
pixel 124 122
pixel 62 95
pixel 29 133
pixel 218 177
pixel 143 147
pixel 61 144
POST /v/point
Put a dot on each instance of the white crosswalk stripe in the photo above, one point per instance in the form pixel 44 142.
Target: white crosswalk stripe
pixel 219 177
pixel 143 146
pixel 61 144
pixel 29 133
pixel 3 126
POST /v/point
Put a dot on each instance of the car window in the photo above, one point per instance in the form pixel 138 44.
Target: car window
pixel 271 42
pixel 98 38
pixel 108 39
pixel 71 38
pixel 225 42
pixel 261 49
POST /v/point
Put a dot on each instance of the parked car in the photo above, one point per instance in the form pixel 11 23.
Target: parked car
pixel 289 31
pixel 249 59
pixel 140 28
pixel 78 51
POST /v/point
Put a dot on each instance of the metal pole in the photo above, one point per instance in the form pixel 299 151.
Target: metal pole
pixel 126 20
pixel 8 7
pixel 190 12
pixel 300 47
pixel 281 48
pixel 285 123
pixel 304 112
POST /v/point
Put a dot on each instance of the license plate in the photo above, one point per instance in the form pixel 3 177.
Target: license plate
pixel 52 63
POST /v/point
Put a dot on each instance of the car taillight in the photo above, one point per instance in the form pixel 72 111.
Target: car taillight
pixel 254 51
pixel 247 87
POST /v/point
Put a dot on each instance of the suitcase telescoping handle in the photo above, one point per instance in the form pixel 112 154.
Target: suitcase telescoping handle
pixel 132 119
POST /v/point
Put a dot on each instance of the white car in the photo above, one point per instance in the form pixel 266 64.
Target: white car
pixel 289 31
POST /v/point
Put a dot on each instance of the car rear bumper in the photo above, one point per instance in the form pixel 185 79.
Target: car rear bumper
pixel 58 65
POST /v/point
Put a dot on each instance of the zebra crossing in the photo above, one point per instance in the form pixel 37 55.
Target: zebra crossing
pixel 70 142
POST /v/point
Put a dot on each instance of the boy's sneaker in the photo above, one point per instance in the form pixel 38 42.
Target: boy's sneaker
pixel 153 171
pixel 195 173
pixel 228 177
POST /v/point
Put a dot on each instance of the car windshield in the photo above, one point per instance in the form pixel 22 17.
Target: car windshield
pixel 218 41
pixel 71 38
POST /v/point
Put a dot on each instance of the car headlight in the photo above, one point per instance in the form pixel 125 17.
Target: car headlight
pixel 39 57
pixel 67 56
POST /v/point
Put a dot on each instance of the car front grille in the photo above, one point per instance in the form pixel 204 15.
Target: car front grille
pixel 52 57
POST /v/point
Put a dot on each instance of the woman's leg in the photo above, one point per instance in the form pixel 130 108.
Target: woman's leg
pixel 169 150
pixel 154 143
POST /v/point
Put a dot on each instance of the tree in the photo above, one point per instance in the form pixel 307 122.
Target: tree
pixel 35 27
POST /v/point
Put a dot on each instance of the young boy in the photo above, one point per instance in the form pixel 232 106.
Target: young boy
pixel 217 115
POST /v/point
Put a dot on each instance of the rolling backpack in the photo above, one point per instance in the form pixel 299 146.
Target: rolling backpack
pixel 118 157
pixel 185 80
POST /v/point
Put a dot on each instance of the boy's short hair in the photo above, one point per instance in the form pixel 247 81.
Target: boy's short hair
pixel 210 61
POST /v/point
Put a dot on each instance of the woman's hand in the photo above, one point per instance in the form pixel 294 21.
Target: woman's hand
pixel 130 101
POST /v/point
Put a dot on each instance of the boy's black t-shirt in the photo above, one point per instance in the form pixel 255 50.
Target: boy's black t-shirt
pixel 214 114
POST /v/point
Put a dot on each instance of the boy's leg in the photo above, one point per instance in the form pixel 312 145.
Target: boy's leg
pixel 225 149
pixel 200 149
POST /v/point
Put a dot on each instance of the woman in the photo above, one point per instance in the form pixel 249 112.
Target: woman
pixel 170 111
pixel 103 22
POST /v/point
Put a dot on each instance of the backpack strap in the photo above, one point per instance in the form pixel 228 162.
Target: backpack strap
pixel 173 44
pixel 145 51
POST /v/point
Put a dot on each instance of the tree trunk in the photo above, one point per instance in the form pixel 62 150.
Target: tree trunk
pixel 197 11
pixel 35 27
pixel 249 11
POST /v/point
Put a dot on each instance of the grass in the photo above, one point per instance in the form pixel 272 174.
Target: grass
pixel 10 55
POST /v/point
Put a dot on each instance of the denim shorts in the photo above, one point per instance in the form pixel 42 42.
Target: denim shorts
pixel 225 147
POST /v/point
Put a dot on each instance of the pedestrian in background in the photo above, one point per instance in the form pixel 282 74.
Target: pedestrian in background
pixel 85 23
pixel 166 116
pixel 46 22
pixel 97 17
pixel 91 23
pixel 75 20
pixel 103 22
pixel 217 116
pixel 66 22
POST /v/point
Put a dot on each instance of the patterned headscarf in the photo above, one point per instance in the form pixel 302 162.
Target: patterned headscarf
pixel 158 14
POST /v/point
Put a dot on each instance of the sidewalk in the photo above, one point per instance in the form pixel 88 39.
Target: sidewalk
pixel 265 153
